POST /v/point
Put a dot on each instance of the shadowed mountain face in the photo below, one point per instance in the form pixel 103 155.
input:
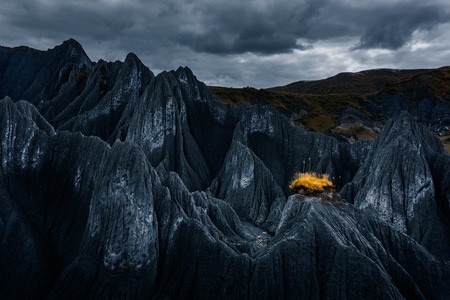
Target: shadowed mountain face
pixel 116 183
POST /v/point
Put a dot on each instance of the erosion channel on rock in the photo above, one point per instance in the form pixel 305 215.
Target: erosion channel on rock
pixel 116 183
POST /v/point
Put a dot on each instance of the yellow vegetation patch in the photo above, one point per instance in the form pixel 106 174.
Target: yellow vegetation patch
pixel 446 142
pixel 311 183
pixel 319 123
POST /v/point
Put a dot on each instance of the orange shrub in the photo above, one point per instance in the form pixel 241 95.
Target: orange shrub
pixel 311 183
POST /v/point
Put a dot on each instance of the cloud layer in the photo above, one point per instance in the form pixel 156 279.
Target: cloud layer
pixel 238 43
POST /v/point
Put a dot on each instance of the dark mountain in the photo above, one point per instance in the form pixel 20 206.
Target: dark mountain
pixel 355 106
pixel 116 184
pixel 364 82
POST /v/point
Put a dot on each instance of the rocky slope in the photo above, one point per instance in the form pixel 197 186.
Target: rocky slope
pixel 355 106
pixel 116 183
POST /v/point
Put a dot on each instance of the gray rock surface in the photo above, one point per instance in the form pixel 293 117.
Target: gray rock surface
pixel 120 184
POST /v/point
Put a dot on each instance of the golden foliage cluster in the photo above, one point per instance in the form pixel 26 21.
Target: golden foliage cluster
pixel 311 183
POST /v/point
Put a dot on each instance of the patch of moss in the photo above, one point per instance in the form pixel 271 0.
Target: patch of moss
pixel 447 147
pixel 446 142
pixel 319 123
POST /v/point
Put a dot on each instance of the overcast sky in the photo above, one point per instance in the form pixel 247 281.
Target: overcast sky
pixel 236 43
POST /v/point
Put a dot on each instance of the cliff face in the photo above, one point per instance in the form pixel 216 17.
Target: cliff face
pixel 116 183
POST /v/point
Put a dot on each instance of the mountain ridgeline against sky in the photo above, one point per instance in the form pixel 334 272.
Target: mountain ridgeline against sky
pixel 355 106
pixel 119 184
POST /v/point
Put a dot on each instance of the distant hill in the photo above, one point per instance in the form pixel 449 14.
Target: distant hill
pixel 364 82
pixel 356 105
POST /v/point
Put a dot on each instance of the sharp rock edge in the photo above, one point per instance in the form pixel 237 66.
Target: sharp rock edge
pixel 116 183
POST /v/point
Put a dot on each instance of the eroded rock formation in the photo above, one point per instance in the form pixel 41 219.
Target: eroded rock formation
pixel 116 183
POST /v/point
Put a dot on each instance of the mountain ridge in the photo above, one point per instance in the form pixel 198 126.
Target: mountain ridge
pixel 370 81
pixel 353 106
pixel 148 187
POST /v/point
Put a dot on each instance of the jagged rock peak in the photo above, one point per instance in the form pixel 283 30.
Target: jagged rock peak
pixel 185 74
pixel 403 126
pixel 72 44
pixel 73 50
pixel 396 180
pixel 136 65
pixel 189 198
pixel 132 58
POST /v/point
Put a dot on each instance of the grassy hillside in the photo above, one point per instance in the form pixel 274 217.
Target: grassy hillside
pixel 313 112
pixel 319 105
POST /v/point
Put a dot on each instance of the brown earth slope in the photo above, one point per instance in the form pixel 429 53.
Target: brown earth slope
pixel 355 106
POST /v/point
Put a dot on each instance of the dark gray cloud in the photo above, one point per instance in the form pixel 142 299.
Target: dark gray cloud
pixel 264 27
pixel 235 41
pixel 392 27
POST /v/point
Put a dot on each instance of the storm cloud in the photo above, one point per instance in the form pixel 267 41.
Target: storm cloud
pixel 392 27
pixel 239 43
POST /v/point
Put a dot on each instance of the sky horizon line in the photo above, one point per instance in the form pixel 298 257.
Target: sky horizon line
pixel 259 43
pixel 122 59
